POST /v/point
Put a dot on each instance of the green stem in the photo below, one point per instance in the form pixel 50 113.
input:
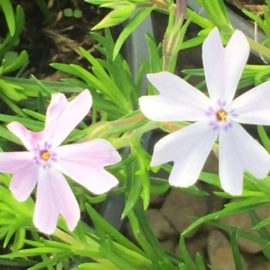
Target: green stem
pixel 67 238
pixel 128 138
pixel 206 23
pixel 132 127
pixel 260 49
pixel 106 129
pixel 90 249
pixel 160 4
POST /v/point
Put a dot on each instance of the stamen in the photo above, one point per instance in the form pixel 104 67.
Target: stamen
pixel 222 116
pixel 45 155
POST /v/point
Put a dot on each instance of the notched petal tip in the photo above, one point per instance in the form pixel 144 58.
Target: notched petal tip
pixel 57 97
pixel 72 218
pixel 44 229
pixel 60 98
pixel 182 184
pixel 213 39
pixel 238 37
pixel 17 194
pixel 160 77
pixel 17 128
pixel 262 175
pixel 223 66
pixel 64 116
pixel 57 104
pixel 12 125
pixel 188 149
pixel 148 108
pixel 54 197
pixel 214 33
pixel 114 156
pixel 27 137
pixel 262 170
pixel 111 183
pixel 72 226
pixel 155 161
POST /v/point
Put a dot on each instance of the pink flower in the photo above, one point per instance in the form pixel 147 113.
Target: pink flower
pixel 45 162
pixel 216 116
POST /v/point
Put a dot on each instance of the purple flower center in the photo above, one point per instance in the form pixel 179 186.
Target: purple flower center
pixel 44 156
pixel 221 115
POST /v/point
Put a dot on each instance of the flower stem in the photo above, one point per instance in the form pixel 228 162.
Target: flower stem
pixel 259 48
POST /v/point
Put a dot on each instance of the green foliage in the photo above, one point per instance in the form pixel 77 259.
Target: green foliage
pixel 262 21
pixel 10 60
pixel 15 217
pixel 95 244
pixel 173 39
pixel 116 16
pixel 9 15
pixel 110 80
pixel 264 138
pixel 76 13
pixel 135 21
pixel 217 13
pixel 15 22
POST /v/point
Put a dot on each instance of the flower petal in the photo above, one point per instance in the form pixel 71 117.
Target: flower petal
pixel 189 149
pixel 57 105
pixel 230 169
pixel 27 137
pixel 253 107
pixel 54 197
pixel 64 116
pixel 84 163
pixel 238 151
pixel 24 173
pixel 223 66
pixel 178 100
pixel 98 152
pixel 96 180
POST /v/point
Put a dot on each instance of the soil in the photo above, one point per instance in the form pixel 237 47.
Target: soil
pixel 247 2
pixel 56 37
pixel 255 6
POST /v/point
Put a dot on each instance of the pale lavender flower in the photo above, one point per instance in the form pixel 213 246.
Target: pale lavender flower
pixel 216 116
pixel 45 162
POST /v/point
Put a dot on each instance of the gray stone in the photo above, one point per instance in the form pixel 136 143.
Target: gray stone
pixel 157 200
pixel 258 262
pixel 180 207
pixel 220 253
pixel 243 221
pixel 170 244
pixel 197 244
pixel 160 226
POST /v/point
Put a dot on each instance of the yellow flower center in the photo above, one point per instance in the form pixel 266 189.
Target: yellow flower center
pixel 45 155
pixel 222 116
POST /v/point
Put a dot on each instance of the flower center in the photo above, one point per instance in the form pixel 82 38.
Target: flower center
pixel 221 115
pixel 45 155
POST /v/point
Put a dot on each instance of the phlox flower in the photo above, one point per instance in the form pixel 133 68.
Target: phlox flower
pixel 216 117
pixel 45 162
